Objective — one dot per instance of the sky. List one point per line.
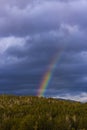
(32, 32)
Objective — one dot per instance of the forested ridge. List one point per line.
(38, 113)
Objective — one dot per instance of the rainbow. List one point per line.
(48, 75)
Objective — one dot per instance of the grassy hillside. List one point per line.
(34, 113)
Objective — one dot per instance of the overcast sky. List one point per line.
(31, 32)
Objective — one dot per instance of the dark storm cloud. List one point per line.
(31, 34)
(40, 16)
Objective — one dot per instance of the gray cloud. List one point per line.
(31, 34)
(40, 16)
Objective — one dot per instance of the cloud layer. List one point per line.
(81, 97)
(31, 33)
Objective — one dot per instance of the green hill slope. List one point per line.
(35, 113)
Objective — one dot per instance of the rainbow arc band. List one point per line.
(48, 75)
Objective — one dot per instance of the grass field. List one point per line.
(38, 113)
